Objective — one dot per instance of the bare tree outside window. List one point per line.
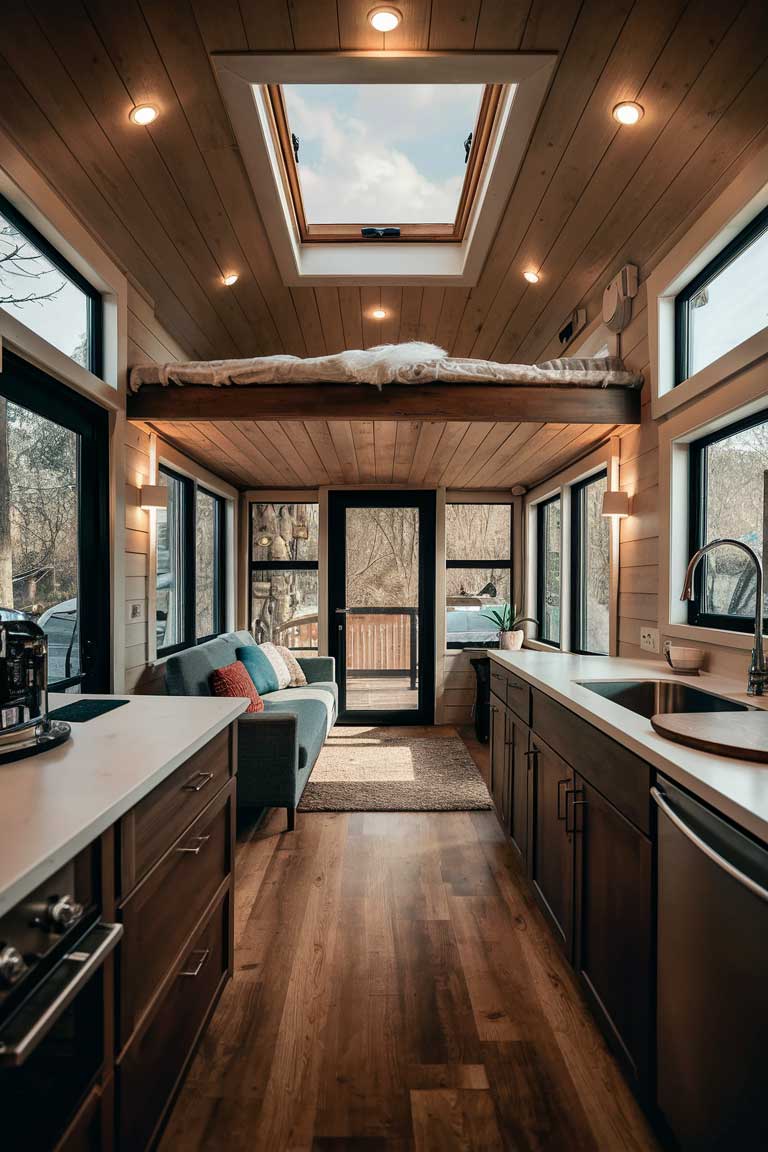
(284, 582)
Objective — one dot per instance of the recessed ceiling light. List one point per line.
(385, 19)
(379, 314)
(628, 112)
(531, 276)
(143, 114)
(230, 279)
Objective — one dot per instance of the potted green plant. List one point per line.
(506, 619)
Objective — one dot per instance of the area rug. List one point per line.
(373, 770)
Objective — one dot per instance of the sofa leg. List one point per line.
(291, 814)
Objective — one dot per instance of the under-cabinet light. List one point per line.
(385, 19)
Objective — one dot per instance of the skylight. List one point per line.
(400, 157)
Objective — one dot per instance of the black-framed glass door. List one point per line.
(381, 587)
(54, 521)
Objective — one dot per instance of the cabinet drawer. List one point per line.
(519, 698)
(150, 1069)
(84, 1133)
(498, 682)
(622, 777)
(161, 913)
(150, 828)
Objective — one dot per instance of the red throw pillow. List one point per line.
(233, 680)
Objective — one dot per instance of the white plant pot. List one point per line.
(512, 641)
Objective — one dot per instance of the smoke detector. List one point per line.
(617, 299)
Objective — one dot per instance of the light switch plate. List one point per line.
(649, 639)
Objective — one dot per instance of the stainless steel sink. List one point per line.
(650, 697)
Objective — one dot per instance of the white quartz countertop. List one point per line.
(53, 804)
(737, 788)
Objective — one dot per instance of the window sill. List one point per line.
(718, 637)
(541, 646)
(738, 360)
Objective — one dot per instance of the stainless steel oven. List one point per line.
(52, 951)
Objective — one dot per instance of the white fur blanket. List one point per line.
(413, 363)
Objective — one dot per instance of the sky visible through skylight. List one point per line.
(381, 153)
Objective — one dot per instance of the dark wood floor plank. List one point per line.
(397, 990)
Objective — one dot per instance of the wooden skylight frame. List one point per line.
(350, 233)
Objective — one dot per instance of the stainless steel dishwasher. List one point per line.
(712, 1013)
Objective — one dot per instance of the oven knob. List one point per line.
(63, 912)
(12, 966)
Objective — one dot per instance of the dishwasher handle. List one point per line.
(735, 873)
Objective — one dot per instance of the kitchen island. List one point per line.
(116, 917)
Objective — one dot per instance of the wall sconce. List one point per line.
(153, 496)
(616, 504)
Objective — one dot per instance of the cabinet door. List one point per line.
(500, 763)
(521, 771)
(613, 921)
(552, 847)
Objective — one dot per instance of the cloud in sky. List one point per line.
(381, 153)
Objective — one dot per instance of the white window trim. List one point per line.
(242, 78)
(712, 231)
(604, 458)
(741, 397)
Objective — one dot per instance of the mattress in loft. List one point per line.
(412, 363)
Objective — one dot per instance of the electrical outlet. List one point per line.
(649, 639)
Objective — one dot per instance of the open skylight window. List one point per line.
(380, 139)
(383, 162)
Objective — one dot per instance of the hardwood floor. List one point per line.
(396, 990)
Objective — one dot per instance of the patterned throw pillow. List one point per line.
(277, 662)
(298, 679)
(233, 680)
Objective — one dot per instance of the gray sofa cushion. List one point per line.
(187, 673)
(325, 693)
(311, 728)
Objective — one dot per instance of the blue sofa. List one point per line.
(277, 748)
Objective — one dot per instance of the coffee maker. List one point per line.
(25, 728)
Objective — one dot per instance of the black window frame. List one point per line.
(697, 515)
(540, 614)
(95, 303)
(27, 386)
(726, 256)
(577, 582)
(219, 562)
(460, 645)
(188, 573)
(280, 565)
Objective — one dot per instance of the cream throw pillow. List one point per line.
(298, 679)
(278, 663)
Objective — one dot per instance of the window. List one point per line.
(191, 564)
(44, 292)
(284, 580)
(590, 566)
(725, 304)
(54, 527)
(209, 564)
(728, 487)
(373, 162)
(478, 577)
(548, 573)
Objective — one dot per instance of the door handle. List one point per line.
(573, 792)
(203, 954)
(201, 841)
(562, 815)
(197, 782)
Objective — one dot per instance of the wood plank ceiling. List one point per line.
(173, 203)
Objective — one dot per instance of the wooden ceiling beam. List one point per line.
(452, 402)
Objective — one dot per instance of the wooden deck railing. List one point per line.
(379, 641)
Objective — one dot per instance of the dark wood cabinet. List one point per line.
(613, 922)
(521, 774)
(551, 848)
(500, 763)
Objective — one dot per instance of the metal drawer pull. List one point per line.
(562, 815)
(203, 953)
(201, 840)
(202, 779)
(572, 792)
(715, 857)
